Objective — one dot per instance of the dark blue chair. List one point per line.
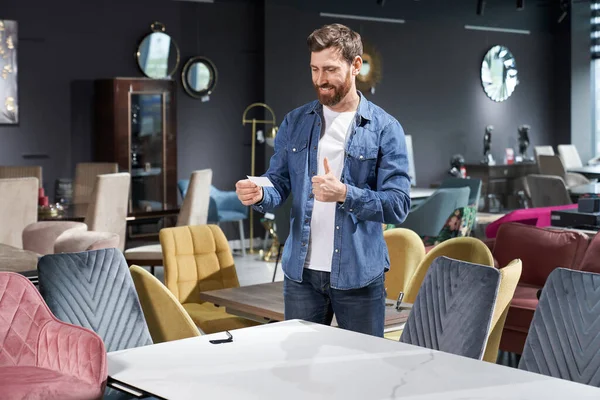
(224, 207)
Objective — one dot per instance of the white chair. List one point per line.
(543, 151)
(570, 156)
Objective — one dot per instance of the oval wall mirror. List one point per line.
(499, 73)
(158, 54)
(199, 77)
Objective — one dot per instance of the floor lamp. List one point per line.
(273, 132)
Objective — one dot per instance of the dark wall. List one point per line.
(63, 46)
(431, 72)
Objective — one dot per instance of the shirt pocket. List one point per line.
(298, 157)
(361, 163)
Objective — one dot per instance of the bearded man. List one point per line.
(344, 161)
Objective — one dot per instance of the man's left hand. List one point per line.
(328, 188)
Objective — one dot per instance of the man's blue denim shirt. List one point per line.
(376, 174)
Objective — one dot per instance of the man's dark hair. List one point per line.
(338, 36)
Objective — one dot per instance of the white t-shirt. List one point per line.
(322, 224)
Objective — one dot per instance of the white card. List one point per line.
(261, 181)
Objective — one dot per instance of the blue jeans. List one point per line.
(360, 310)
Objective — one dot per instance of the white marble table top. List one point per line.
(299, 360)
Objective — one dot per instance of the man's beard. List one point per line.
(336, 95)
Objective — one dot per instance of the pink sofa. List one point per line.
(40, 356)
(539, 217)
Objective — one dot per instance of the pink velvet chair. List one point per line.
(40, 356)
(539, 217)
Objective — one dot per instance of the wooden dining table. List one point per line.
(264, 303)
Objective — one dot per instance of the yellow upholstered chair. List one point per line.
(166, 318)
(406, 251)
(461, 248)
(197, 259)
(509, 277)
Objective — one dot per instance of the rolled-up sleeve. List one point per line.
(277, 173)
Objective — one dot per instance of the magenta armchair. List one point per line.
(539, 217)
(40, 356)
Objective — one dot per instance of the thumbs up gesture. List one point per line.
(328, 188)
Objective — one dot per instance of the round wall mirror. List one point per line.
(199, 77)
(158, 54)
(499, 73)
(370, 72)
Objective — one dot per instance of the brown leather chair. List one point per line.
(541, 251)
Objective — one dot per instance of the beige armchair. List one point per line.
(106, 213)
(85, 179)
(22, 171)
(18, 208)
(194, 211)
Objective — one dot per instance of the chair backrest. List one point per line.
(94, 289)
(428, 218)
(543, 151)
(540, 250)
(548, 190)
(551, 165)
(85, 179)
(509, 278)
(563, 340)
(166, 318)
(570, 156)
(282, 219)
(467, 249)
(196, 259)
(454, 309)
(107, 210)
(472, 183)
(25, 316)
(24, 171)
(194, 209)
(18, 208)
(406, 251)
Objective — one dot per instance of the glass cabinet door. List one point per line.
(147, 148)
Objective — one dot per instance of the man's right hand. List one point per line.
(248, 192)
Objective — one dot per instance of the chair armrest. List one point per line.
(74, 351)
(40, 236)
(575, 179)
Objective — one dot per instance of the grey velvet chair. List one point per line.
(563, 340)
(454, 308)
(428, 218)
(94, 289)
